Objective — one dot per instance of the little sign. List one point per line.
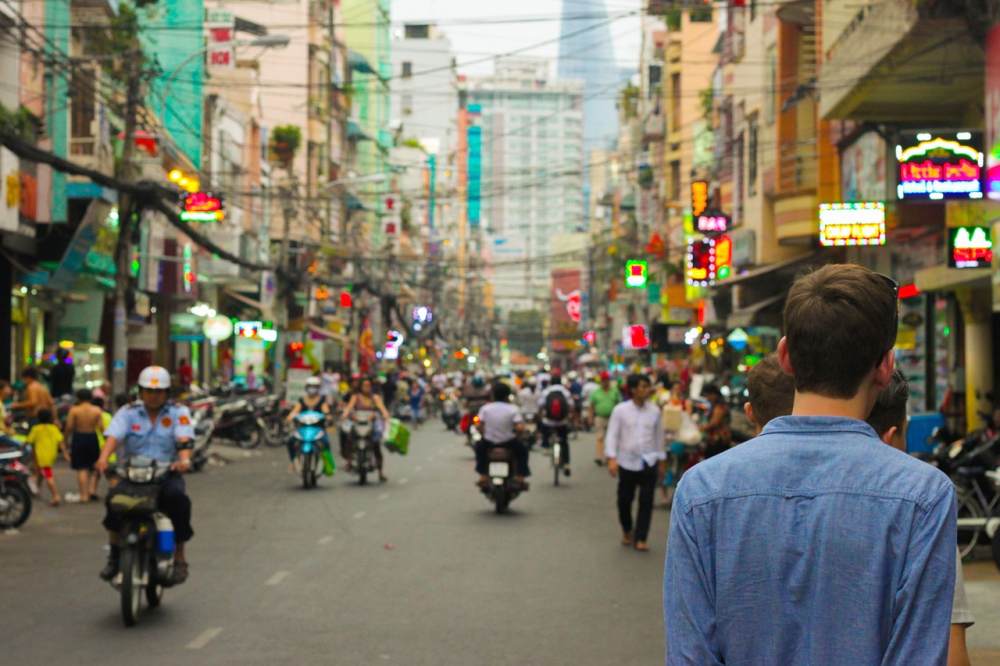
(854, 223)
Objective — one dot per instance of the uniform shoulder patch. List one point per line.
(183, 420)
(166, 422)
(136, 427)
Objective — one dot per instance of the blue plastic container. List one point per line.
(165, 543)
(918, 433)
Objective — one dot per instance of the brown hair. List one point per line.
(890, 407)
(840, 321)
(772, 392)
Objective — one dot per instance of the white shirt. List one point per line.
(498, 420)
(526, 397)
(635, 436)
(589, 388)
(545, 394)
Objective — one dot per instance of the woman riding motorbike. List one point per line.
(311, 401)
(367, 400)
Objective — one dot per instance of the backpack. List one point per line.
(556, 406)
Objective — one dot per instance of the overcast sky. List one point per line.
(472, 42)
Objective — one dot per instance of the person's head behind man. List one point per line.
(771, 390)
(639, 387)
(500, 392)
(888, 416)
(840, 328)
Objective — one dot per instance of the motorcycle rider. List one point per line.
(311, 401)
(367, 400)
(157, 428)
(500, 422)
(476, 394)
(551, 424)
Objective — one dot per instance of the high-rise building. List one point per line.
(586, 53)
(530, 129)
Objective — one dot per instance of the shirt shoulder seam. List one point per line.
(923, 503)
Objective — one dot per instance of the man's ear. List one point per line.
(884, 370)
(888, 435)
(748, 411)
(784, 358)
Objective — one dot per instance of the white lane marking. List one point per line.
(359, 515)
(384, 496)
(403, 481)
(325, 540)
(278, 577)
(204, 638)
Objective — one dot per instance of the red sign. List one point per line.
(565, 310)
(202, 202)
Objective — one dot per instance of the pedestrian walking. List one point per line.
(61, 374)
(251, 378)
(185, 373)
(36, 396)
(47, 442)
(83, 423)
(838, 549)
(602, 401)
(634, 452)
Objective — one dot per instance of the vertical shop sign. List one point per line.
(221, 26)
(474, 139)
(992, 108)
(565, 311)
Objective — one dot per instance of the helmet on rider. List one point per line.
(154, 377)
(478, 380)
(313, 385)
(572, 375)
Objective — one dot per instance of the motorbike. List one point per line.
(362, 425)
(146, 559)
(450, 413)
(236, 420)
(203, 427)
(15, 494)
(309, 436)
(503, 487)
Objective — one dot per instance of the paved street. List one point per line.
(417, 571)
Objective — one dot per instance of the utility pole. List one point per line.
(126, 211)
(281, 297)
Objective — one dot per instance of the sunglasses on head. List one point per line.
(894, 286)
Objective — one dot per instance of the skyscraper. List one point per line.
(586, 53)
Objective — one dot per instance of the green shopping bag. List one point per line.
(329, 464)
(397, 437)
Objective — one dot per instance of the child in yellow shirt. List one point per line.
(47, 441)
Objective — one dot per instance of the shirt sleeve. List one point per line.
(924, 596)
(184, 428)
(611, 436)
(960, 611)
(118, 428)
(688, 609)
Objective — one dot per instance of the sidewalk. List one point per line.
(982, 585)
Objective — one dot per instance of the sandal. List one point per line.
(55, 501)
(627, 539)
(642, 546)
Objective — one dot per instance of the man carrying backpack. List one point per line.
(555, 404)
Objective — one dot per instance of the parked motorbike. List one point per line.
(203, 427)
(310, 436)
(15, 494)
(503, 487)
(363, 441)
(450, 413)
(146, 560)
(236, 421)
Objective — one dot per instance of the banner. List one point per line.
(566, 309)
(991, 141)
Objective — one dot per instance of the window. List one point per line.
(675, 102)
(701, 14)
(675, 180)
(82, 105)
(752, 156)
(406, 104)
(772, 85)
(407, 69)
(655, 73)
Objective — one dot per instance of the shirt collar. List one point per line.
(817, 424)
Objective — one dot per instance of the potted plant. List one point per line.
(285, 140)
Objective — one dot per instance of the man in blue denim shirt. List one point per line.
(815, 543)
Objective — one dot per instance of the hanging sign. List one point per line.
(708, 260)
(202, 207)
(940, 165)
(217, 328)
(636, 273)
(699, 197)
(970, 247)
(713, 222)
(852, 223)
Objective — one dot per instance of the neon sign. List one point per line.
(970, 247)
(708, 260)
(699, 197)
(635, 336)
(636, 273)
(713, 222)
(202, 207)
(942, 165)
(857, 223)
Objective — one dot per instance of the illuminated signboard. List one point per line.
(635, 336)
(713, 222)
(708, 260)
(940, 165)
(202, 207)
(857, 223)
(636, 273)
(970, 247)
(699, 197)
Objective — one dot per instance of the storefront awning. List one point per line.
(943, 278)
(246, 300)
(765, 270)
(746, 317)
(324, 333)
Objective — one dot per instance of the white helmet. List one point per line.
(573, 374)
(154, 377)
(313, 385)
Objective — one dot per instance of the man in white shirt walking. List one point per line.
(633, 447)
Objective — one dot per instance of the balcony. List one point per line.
(892, 63)
(92, 153)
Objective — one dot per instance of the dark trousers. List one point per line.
(628, 481)
(562, 432)
(173, 501)
(516, 446)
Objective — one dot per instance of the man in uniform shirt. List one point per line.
(634, 450)
(153, 428)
